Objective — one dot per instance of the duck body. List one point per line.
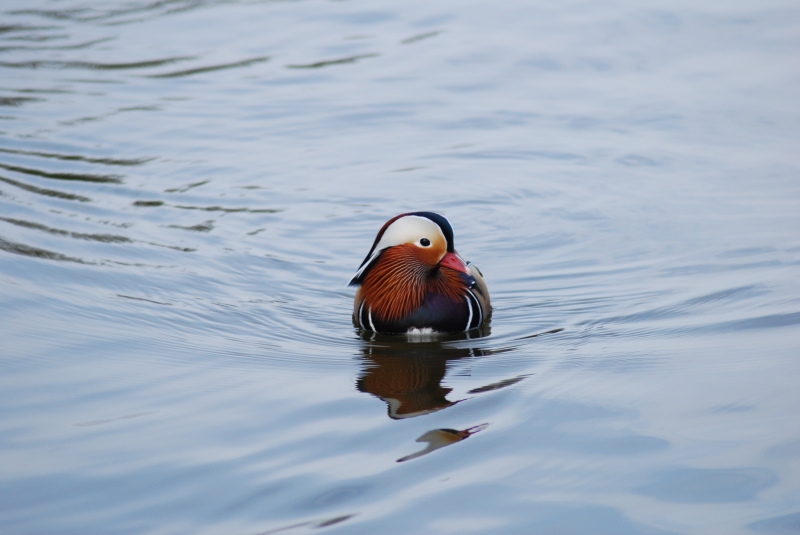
(414, 280)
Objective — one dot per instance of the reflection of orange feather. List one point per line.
(414, 383)
(397, 284)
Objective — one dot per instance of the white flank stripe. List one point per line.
(478, 305)
(369, 316)
(469, 306)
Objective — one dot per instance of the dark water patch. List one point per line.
(313, 524)
(46, 192)
(152, 9)
(326, 63)
(420, 37)
(143, 299)
(232, 210)
(27, 250)
(155, 8)
(174, 247)
(105, 238)
(208, 226)
(140, 108)
(551, 331)
(211, 68)
(498, 385)
(44, 91)
(102, 179)
(66, 14)
(148, 203)
(333, 521)
(17, 101)
(11, 28)
(77, 158)
(778, 525)
(187, 187)
(93, 66)
(708, 485)
(38, 38)
(80, 120)
(76, 46)
(405, 169)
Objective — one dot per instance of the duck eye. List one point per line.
(424, 242)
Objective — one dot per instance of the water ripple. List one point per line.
(46, 192)
(81, 177)
(211, 68)
(36, 64)
(79, 158)
(326, 63)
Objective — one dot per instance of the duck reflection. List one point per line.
(439, 438)
(407, 375)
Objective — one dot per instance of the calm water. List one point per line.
(186, 186)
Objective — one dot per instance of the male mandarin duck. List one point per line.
(413, 280)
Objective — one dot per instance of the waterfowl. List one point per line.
(413, 280)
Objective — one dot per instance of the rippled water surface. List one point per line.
(186, 186)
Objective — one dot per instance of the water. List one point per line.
(187, 186)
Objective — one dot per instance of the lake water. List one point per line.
(186, 186)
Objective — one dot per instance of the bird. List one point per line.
(413, 281)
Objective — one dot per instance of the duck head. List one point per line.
(413, 278)
(423, 239)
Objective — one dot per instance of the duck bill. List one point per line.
(453, 261)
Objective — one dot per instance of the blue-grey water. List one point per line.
(187, 185)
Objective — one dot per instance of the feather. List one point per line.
(396, 285)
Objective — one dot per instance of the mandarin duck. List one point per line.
(414, 281)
